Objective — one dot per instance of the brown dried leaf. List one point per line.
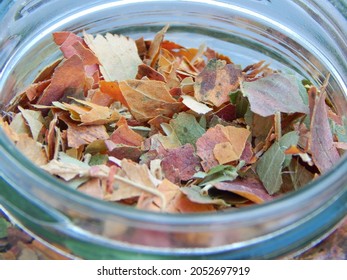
(154, 49)
(71, 44)
(68, 78)
(215, 83)
(81, 135)
(148, 99)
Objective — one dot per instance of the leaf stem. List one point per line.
(278, 128)
(144, 188)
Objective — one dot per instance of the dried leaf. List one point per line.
(274, 93)
(215, 83)
(169, 190)
(89, 113)
(232, 150)
(35, 122)
(71, 44)
(154, 49)
(219, 173)
(148, 99)
(324, 153)
(179, 164)
(82, 135)
(186, 128)
(125, 135)
(194, 194)
(31, 149)
(112, 89)
(147, 71)
(93, 187)
(269, 168)
(121, 151)
(194, 105)
(18, 125)
(221, 144)
(300, 176)
(136, 173)
(117, 54)
(68, 78)
(249, 188)
(184, 205)
(66, 171)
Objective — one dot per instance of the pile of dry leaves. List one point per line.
(153, 124)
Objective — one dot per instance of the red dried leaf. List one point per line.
(125, 135)
(123, 152)
(150, 73)
(324, 152)
(249, 188)
(179, 164)
(69, 78)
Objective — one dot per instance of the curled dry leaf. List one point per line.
(249, 188)
(324, 153)
(89, 113)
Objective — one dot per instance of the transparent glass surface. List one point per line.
(307, 38)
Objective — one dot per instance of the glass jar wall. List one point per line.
(312, 46)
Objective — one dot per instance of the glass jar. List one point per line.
(306, 37)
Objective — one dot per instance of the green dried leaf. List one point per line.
(187, 128)
(241, 103)
(219, 173)
(269, 168)
(34, 120)
(98, 159)
(194, 194)
(4, 225)
(340, 130)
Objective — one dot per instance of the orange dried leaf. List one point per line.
(69, 77)
(154, 49)
(221, 144)
(125, 135)
(113, 90)
(148, 99)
